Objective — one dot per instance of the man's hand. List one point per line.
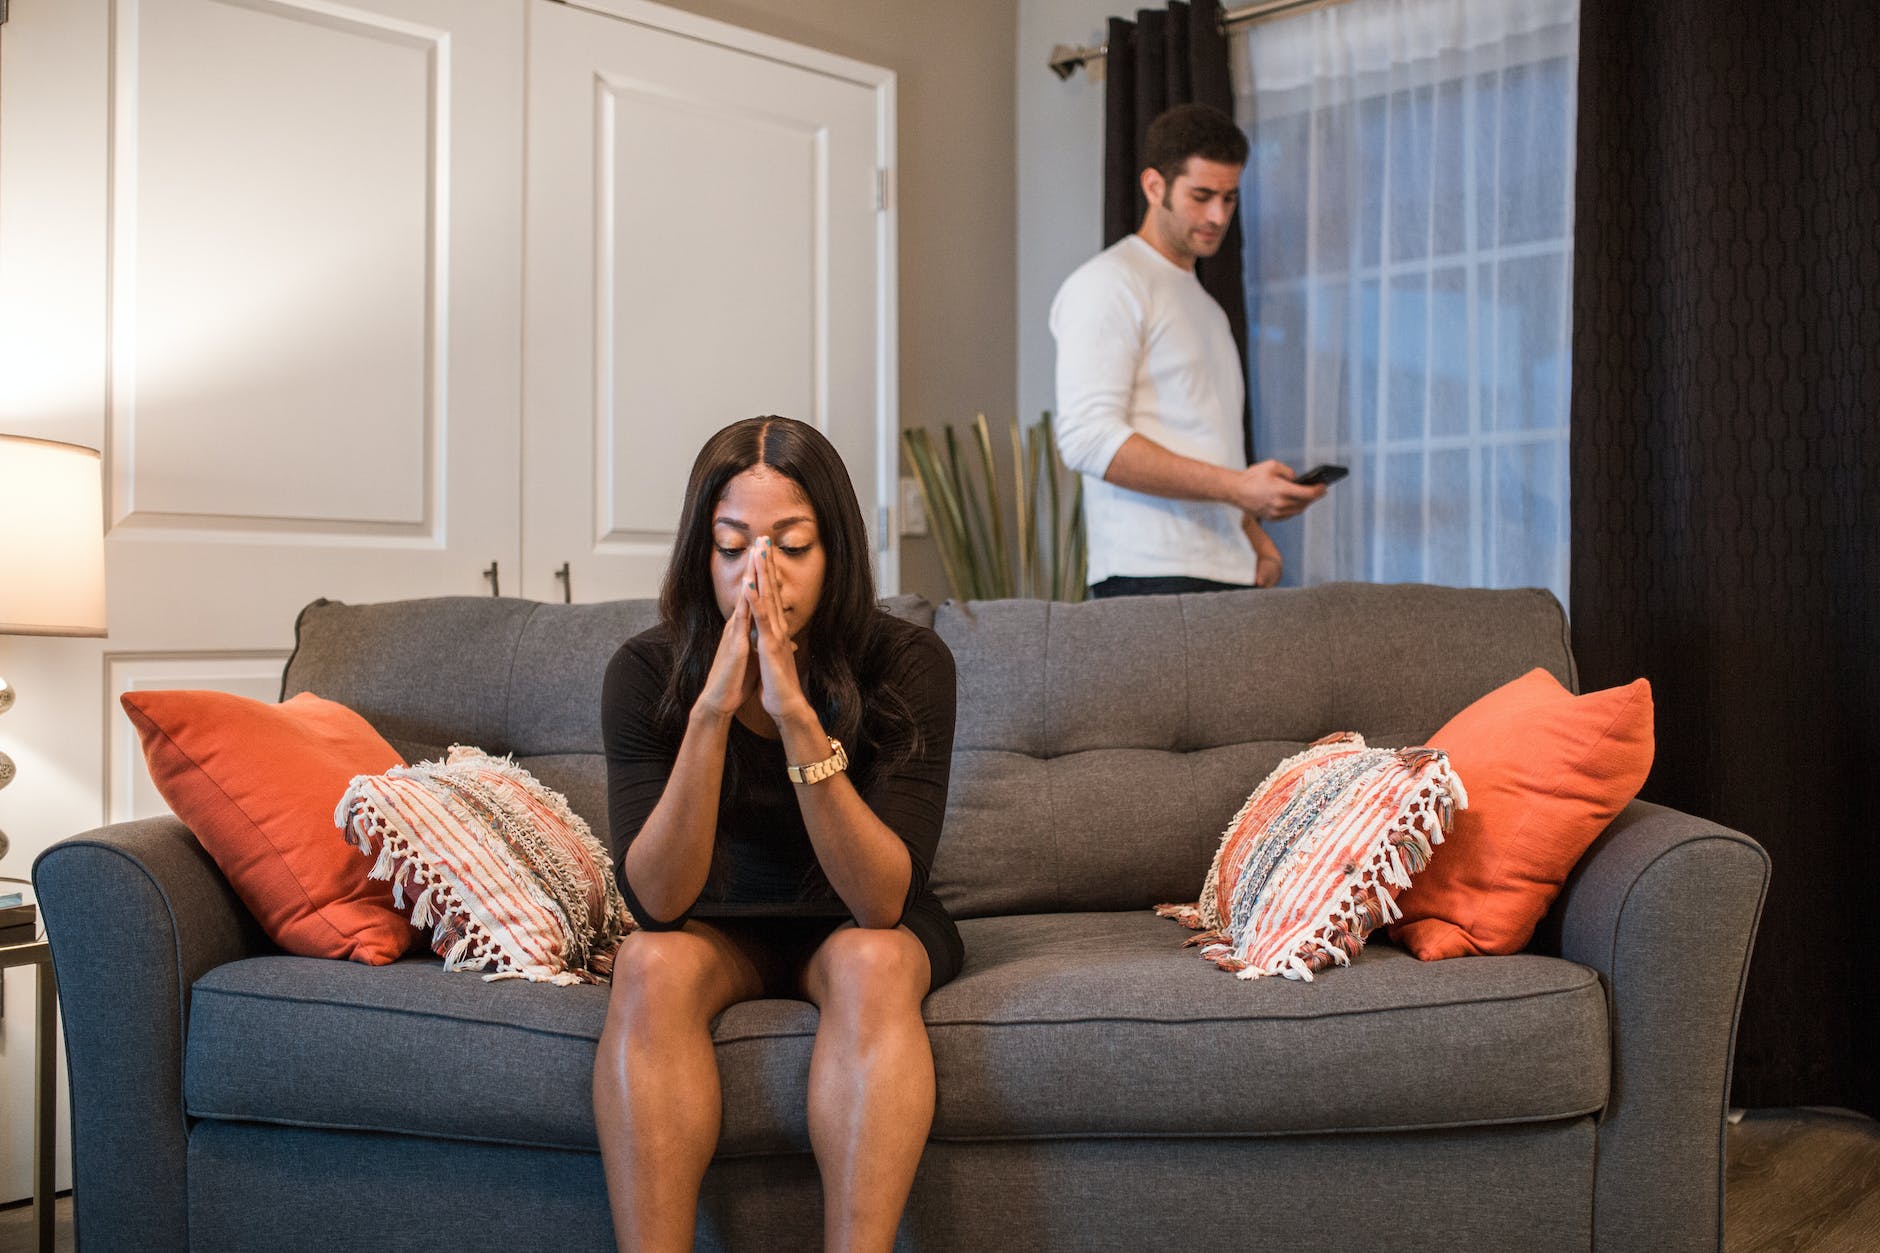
(1267, 563)
(1266, 490)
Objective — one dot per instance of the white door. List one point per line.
(708, 239)
(314, 311)
(267, 254)
(315, 280)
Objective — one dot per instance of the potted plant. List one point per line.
(1046, 558)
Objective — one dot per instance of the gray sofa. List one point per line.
(1100, 1087)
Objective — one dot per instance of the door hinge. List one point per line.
(881, 189)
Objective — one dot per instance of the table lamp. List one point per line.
(51, 547)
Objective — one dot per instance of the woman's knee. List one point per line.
(662, 976)
(875, 967)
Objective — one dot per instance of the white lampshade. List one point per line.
(51, 538)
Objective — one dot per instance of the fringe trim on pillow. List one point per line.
(1189, 916)
(435, 903)
(588, 949)
(1366, 900)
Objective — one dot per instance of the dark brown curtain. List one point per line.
(1162, 59)
(1726, 471)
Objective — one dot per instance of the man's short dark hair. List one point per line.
(1192, 130)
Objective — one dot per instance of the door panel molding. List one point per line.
(713, 292)
(712, 31)
(796, 153)
(312, 295)
(129, 794)
(186, 372)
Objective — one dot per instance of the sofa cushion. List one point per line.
(508, 879)
(1547, 772)
(1306, 871)
(256, 783)
(426, 673)
(1059, 1025)
(507, 676)
(1103, 747)
(1093, 1024)
(418, 1049)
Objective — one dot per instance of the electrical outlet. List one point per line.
(913, 507)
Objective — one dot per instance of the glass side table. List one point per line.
(45, 1072)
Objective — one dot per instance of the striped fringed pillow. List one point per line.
(507, 876)
(1305, 870)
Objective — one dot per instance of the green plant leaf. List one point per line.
(1051, 479)
(972, 522)
(999, 567)
(942, 511)
(1077, 567)
(967, 513)
(1021, 481)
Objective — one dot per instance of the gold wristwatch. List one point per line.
(816, 771)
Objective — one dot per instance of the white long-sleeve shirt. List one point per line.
(1143, 349)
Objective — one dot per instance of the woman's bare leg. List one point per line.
(871, 1086)
(656, 1094)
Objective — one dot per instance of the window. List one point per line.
(1408, 230)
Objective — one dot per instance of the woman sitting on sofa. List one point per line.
(777, 760)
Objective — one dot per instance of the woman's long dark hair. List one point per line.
(843, 642)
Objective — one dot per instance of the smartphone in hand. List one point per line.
(1318, 474)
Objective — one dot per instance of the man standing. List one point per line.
(1149, 386)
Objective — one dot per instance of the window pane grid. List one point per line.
(1410, 302)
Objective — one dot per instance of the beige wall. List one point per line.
(957, 207)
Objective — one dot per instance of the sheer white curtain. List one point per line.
(1408, 217)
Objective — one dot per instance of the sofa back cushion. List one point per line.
(508, 676)
(1103, 747)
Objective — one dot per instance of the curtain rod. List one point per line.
(1065, 58)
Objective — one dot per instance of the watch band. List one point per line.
(816, 771)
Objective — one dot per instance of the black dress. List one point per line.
(767, 868)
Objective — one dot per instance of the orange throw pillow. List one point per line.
(258, 784)
(1546, 772)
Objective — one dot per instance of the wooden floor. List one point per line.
(1799, 1179)
(1803, 1179)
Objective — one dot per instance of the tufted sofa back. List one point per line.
(1103, 747)
(1100, 749)
(508, 676)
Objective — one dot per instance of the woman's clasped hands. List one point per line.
(756, 655)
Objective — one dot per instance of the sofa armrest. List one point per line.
(1665, 907)
(135, 913)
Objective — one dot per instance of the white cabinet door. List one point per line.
(707, 240)
(315, 278)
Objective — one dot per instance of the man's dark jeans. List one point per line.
(1159, 585)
